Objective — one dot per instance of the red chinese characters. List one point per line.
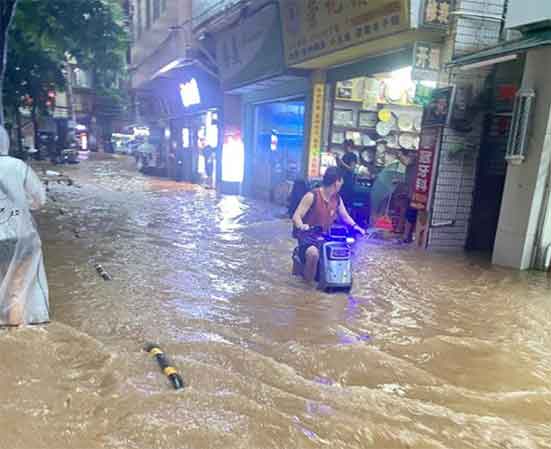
(425, 166)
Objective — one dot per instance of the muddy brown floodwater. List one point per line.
(429, 351)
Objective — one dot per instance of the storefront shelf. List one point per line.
(354, 128)
(351, 100)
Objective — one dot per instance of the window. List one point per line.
(139, 28)
(156, 10)
(147, 14)
(279, 143)
(163, 6)
(520, 126)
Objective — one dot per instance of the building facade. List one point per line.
(523, 228)
(335, 57)
(176, 90)
(296, 80)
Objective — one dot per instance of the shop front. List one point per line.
(375, 70)
(373, 132)
(269, 134)
(192, 97)
(277, 143)
(520, 221)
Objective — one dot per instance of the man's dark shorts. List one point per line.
(305, 241)
(411, 215)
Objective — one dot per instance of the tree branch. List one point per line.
(7, 10)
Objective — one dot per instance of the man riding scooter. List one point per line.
(320, 208)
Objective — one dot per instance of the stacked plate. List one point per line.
(384, 128)
(405, 123)
(417, 124)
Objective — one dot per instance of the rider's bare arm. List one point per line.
(302, 209)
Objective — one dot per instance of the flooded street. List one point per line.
(429, 351)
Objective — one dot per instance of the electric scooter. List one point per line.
(335, 263)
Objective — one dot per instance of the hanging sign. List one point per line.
(314, 149)
(426, 160)
(426, 61)
(436, 13)
(189, 93)
(438, 111)
(313, 28)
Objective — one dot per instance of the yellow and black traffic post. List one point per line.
(168, 370)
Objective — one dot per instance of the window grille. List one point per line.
(520, 126)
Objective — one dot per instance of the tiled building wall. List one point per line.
(471, 30)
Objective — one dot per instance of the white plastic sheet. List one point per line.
(23, 285)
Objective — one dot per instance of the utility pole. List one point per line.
(70, 104)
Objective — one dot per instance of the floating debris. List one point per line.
(104, 274)
(168, 370)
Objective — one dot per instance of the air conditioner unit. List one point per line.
(528, 14)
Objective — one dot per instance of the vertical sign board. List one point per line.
(436, 13)
(314, 147)
(426, 61)
(425, 178)
(436, 116)
(426, 157)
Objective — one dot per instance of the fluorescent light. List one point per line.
(189, 93)
(402, 75)
(233, 160)
(169, 66)
(489, 62)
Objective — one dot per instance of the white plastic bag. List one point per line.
(23, 285)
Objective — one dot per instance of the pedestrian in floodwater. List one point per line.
(23, 285)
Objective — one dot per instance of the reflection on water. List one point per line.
(429, 351)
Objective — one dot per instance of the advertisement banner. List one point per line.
(439, 110)
(313, 28)
(252, 50)
(204, 10)
(426, 162)
(314, 147)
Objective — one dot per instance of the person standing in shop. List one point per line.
(409, 159)
(209, 155)
(347, 165)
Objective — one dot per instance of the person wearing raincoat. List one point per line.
(23, 285)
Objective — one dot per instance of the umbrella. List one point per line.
(384, 186)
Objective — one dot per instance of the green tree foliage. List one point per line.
(46, 34)
(7, 8)
(90, 31)
(32, 72)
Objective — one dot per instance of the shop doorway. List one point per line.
(489, 186)
(278, 148)
(492, 167)
(195, 149)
